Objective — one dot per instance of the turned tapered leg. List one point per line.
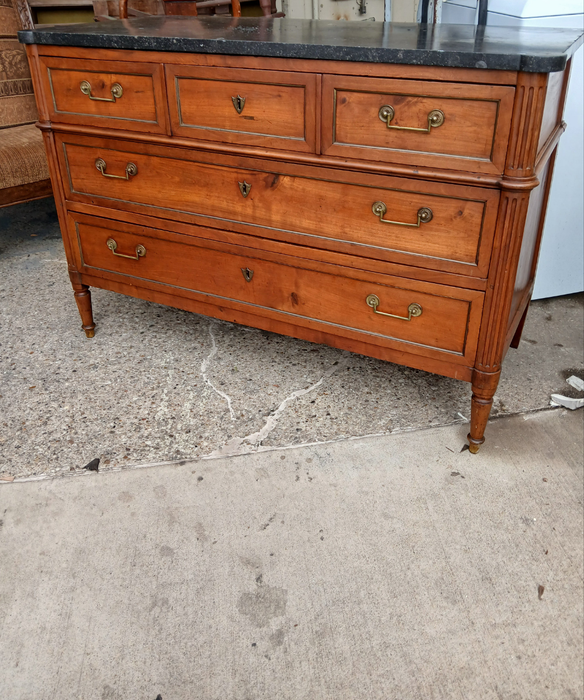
(83, 299)
(483, 390)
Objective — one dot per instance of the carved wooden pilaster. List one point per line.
(525, 124)
(24, 14)
(518, 181)
(512, 213)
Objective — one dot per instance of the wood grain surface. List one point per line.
(472, 136)
(456, 239)
(279, 107)
(284, 187)
(142, 106)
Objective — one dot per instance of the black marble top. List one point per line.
(448, 45)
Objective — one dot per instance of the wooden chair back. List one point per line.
(192, 8)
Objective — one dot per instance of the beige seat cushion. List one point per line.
(22, 156)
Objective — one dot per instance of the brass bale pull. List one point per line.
(435, 119)
(414, 310)
(424, 215)
(238, 103)
(140, 250)
(131, 170)
(116, 91)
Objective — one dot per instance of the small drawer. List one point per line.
(105, 93)
(240, 106)
(432, 225)
(452, 125)
(422, 318)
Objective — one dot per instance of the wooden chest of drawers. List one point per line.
(390, 209)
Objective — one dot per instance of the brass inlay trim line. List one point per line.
(273, 228)
(289, 313)
(186, 125)
(98, 116)
(496, 102)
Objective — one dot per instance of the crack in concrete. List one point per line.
(237, 446)
(205, 366)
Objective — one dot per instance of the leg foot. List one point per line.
(83, 299)
(474, 447)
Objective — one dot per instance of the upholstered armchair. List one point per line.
(24, 173)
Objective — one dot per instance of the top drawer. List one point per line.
(115, 94)
(272, 109)
(452, 125)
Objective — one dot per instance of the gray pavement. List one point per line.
(367, 569)
(158, 384)
(316, 532)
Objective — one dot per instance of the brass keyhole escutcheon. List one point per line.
(244, 188)
(238, 103)
(247, 274)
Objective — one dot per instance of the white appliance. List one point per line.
(561, 262)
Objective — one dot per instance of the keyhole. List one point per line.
(238, 103)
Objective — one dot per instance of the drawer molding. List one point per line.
(117, 91)
(251, 107)
(284, 274)
(239, 111)
(456, 223)
(79, 94)
(470, 131)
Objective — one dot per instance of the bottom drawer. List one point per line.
(419, 317)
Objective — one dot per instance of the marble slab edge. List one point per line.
(445, 59)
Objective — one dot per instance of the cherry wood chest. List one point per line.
(378, 189)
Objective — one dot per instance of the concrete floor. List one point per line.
(158, 384)
(259, 568)
(368, 569)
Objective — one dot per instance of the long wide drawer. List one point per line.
(432, 225)
(452, 125)
(423, 318)
(254, 107)
(116, 94)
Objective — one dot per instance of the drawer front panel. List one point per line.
(447, 324)
(106, 93)
(445, 227)
(250, 107)
(422, 123)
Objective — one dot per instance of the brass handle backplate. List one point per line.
(424, 215)
(116, 91)
(435, 119)
(238, 103)
(131, 170)
(414, 309)
(113, 246)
